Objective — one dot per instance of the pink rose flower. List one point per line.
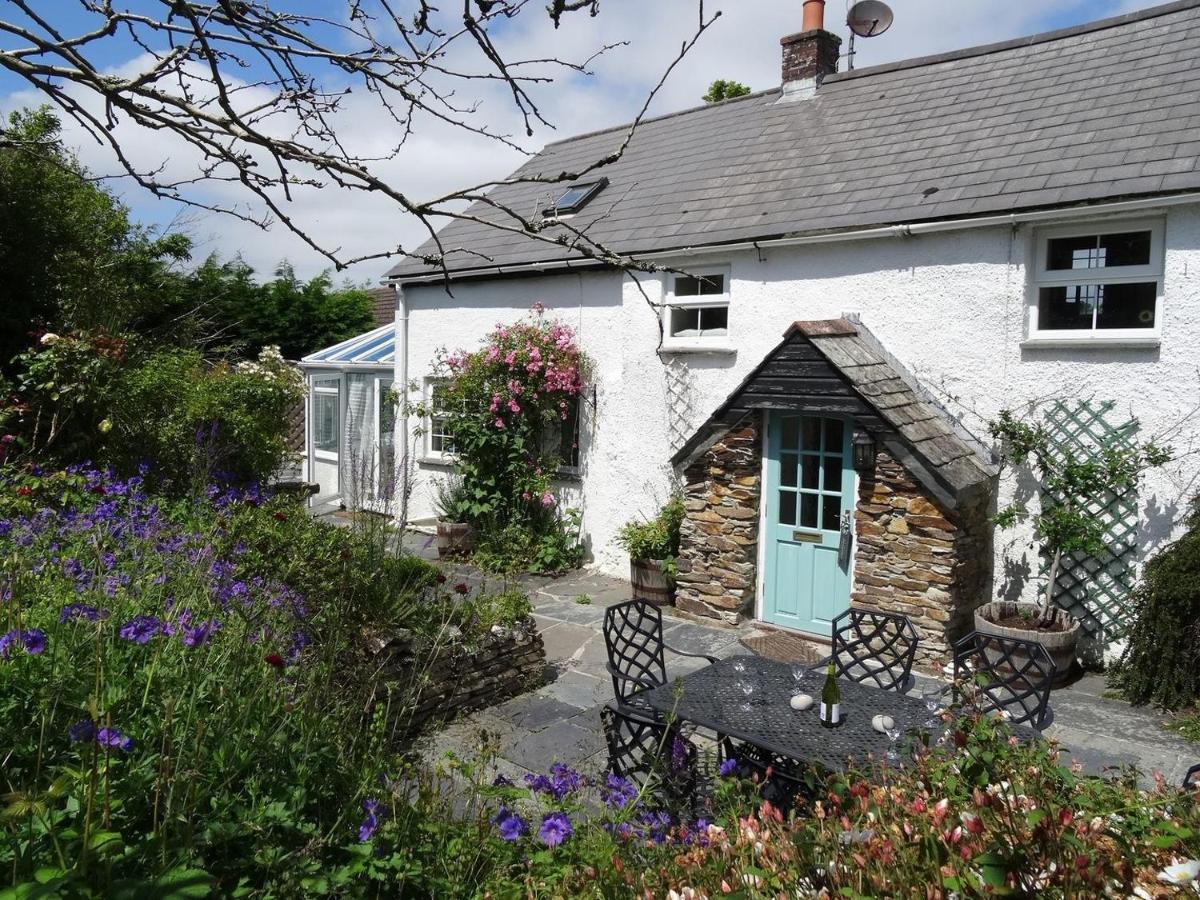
(547, 499)
(514, 406)
(499, 422)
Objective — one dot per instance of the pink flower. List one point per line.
(496, 401)
(499, 422)
(493, 354)
(547, 500)
(514, 406)
(538, 307)
(510, 357)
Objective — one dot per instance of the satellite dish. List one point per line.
(869, 18)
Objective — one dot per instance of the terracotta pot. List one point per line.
(1061, 645)
(649, 582)
(454, 539)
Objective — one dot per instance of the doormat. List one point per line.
(783, 647)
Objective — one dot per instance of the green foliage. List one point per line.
(656, 539)
(1072, 486)
(549, 546)
(70, 258)
(451, 501)
(299, 317)
(90, 396)
(724, 90)
(1187, 725)
(1161, 664)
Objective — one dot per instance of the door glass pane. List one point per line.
(812, 433)
(787, 469)
(791, 432)
(808, 510)
(831, 512)
(833, 474)
(387, 439)
(325, 421)
(833, 435)
(810, 467)
(787, 508)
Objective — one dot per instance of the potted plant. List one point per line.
(455, 535)
(653, 547)
(1074, 489)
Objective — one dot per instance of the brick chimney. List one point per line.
(810, 55)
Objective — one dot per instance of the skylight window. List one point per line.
(575, 198)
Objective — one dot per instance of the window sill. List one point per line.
(443, 462)
(1092, 343)
(698, 348)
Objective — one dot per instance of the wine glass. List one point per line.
(932, 695)
(893, 735)
(799, 674)
(747, 691)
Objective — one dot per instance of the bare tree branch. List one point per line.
(256, 90)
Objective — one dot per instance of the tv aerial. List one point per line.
(865, 19)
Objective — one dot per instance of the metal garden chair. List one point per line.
(1192, 778)
(874, 647)
(643, 748)
(1010, 674)
(633, 637)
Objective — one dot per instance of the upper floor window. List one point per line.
(696, 311)
(1098, 283)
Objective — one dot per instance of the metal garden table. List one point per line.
(713, 699)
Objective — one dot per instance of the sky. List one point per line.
(742, 45)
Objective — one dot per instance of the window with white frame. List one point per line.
(439, 442)
(561, 437)
(1098, 282)
(325, 413)
(696, 311)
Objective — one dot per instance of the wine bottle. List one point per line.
(831, 698)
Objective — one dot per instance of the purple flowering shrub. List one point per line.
(181, 675)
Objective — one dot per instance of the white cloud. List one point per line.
(742, 45)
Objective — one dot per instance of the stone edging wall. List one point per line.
(440, 682)
(718, 552)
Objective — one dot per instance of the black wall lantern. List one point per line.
(864, 451)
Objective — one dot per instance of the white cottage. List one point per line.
(865, 266)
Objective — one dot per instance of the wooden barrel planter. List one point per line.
(454, 539)
(650, 583)
(1060, 644)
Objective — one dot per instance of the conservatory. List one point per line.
(349, 419)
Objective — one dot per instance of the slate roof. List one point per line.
(1106, 110)
(837, 367)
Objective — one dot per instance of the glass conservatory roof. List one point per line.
(375, 348)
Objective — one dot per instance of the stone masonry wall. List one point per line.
(719, 536)
(914, 557)
(430, 683)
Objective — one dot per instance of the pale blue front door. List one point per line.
(809, 493)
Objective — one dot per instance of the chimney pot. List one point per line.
(814, 15)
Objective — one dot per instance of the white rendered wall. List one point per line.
(950, 306)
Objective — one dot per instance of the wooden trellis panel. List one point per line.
(1095, 589)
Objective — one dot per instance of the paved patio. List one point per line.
(561, 720)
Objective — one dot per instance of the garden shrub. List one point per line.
(656, 539)
(506, 405)
(1161, 663)
(94, 396)
(183, 690)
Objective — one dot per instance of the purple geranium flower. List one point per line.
(728, 767)
(510, 825)
(618, 792)
(81, 731)
(141, 629)
(374, 811)
(198, 635)
(111, 737)
(33, 640)
(82, 611)
(556, 828)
